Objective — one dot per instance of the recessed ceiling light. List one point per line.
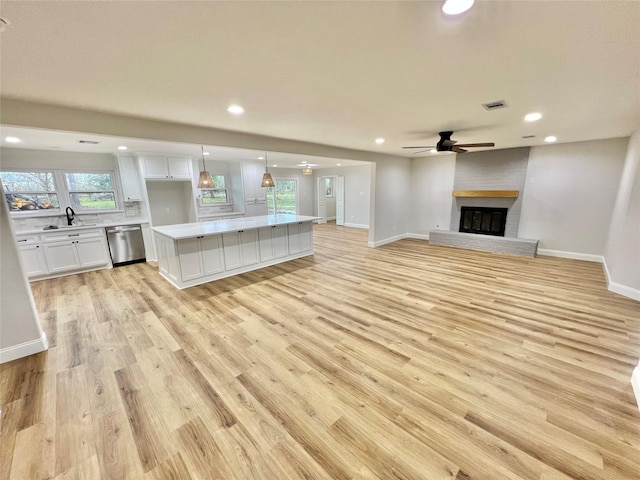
(455, 7)
(122, 147)
(205, 153)
(12, 140)
(338, 164)
(274, 165)
(379, 141)
(550, 139)
(532, 117)
(260, 158)
(235, 109)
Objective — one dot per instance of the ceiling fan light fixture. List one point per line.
(307, 170)
(267, 179)
(204, 179)
(456, 7)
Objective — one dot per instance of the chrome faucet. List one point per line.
(70, 216)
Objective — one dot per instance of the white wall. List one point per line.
(568, 206)
(391, 200)
(431, 185)
(20, 330)
(622, 253)
(357, 193)
(170, 203)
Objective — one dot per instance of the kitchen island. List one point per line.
(194, 253)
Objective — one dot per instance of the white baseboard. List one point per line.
(24, 349)
(619, 288)
(418, 236)
(587, 257)
(379, 243)
(331, 218)
(635, 383)
(356, 225)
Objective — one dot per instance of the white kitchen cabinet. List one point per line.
(129, 178)
(273, 242)
(200, 256)
(166, 168)
(76, 251)
(240, 248)
(255, 196)
(33, 260)
(300, 237)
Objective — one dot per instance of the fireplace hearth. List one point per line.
(483, 220)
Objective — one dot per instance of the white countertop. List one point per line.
(65, 228)
(190, 230)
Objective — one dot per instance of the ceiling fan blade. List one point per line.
(423, 146)
(421, 151)
(458, 150)
(489, 144)
(449, 143)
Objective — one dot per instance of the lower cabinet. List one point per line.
(240, 248)
(78, 251)
(273, 242)
(50, 254)
(33, 260)
(300, 237)
(200, 256)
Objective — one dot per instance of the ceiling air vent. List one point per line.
(528, 136)
(495, 105)
(88, 142)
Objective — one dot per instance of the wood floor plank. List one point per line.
(406, 361)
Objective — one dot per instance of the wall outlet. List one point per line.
(168, 210)
(532, 180)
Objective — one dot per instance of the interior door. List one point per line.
(339, 188)
(321, 200)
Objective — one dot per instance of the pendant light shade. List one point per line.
(205, 180)
(267, 179)
(307, 170)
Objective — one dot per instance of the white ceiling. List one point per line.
(336, 73)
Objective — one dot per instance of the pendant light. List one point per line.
(205, 180)
(267, 179)
(307, 170)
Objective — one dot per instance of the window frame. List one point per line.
(64, 194)
(226, 189)
(80, 209)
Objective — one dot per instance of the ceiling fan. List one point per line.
(447, 145)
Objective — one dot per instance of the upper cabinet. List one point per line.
(251, 180)
(166, 168)
(129, 177)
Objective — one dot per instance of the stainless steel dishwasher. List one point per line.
(125, 244)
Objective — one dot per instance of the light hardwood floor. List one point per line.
(407, 361)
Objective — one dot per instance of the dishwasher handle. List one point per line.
(132, 228)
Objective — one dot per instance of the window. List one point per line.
(218, 195)
(282, 198)
(29, 191)
(328, 185)
(91, 191)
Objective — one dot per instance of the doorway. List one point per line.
(330, 199)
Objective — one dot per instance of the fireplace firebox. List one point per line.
(483, 220)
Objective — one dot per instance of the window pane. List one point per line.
(88, 181)
(93, 200)
(27, 182)
(34, 201)
(215, 195)
(218, 181)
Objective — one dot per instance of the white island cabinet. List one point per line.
(193, 253)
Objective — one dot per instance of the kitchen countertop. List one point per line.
(190, 230)
(219, 214)
(65, 228)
